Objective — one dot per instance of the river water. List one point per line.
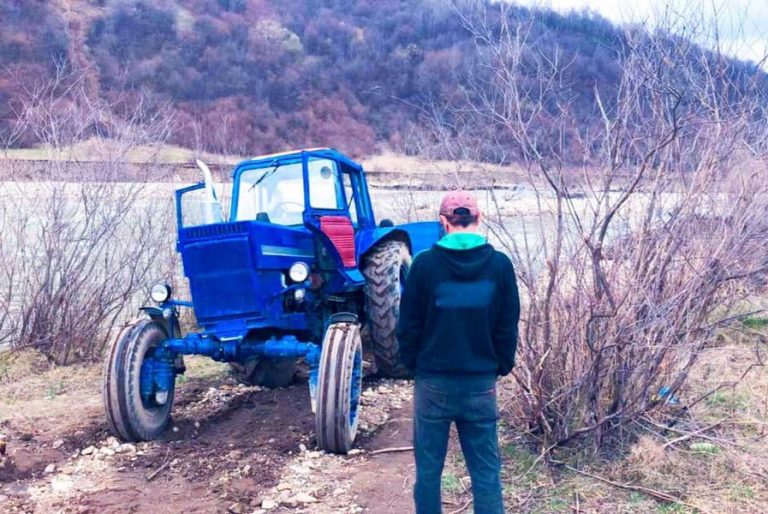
(527, 216)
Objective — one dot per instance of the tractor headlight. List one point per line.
(160, 292)
(299, 272)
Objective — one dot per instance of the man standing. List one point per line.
(458, 332)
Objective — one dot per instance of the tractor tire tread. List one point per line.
(110, 395)
(125, 417)
(382, 270)
(332, 418)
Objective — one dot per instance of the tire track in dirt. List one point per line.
(210, 461)
(384, 482)
(229, 448)
(227, 443)
(312, 481)
(35, 443)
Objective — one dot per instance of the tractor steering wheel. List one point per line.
(282, 207)
(282, 215)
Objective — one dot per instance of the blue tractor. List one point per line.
(299, 269)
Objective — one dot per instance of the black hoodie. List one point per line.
(459, 313)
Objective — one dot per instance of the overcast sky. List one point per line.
(743, 24)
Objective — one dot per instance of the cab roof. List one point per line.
(323, 153)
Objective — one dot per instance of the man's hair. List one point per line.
(461, 218)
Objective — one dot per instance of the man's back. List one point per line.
(459, 312)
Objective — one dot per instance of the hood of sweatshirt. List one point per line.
(465, 254)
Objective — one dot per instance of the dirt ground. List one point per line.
(251, 450)
(229, 447)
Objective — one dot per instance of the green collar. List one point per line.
(462, 241)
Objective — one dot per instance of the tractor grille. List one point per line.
(214, 231)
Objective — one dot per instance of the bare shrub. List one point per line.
(78, 252)
(639, 231)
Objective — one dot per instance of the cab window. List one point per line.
(324, 184)
(349, 194)
(273, 194)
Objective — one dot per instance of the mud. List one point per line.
(227, 450)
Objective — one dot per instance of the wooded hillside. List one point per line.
(250, 76)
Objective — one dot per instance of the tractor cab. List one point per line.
(282, 189)
(290, 239)
(320, 190)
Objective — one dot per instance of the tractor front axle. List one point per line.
(159, 371)
(239, 350)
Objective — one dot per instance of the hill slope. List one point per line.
(248, 76)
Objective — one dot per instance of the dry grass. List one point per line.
(725, 470)
(398, 162)
(18, 365)
(32, 389)
(203, 367)
(138, 154)
(385, 162)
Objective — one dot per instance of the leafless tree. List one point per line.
(639, 233)
(81, 242)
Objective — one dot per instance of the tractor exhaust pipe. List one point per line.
(212, 211)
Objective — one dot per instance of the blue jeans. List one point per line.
(471, 404)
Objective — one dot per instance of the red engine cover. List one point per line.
(340, 231)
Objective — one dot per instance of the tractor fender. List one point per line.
(170, 324)
(367, 239)
(172, 328)
(418, 236)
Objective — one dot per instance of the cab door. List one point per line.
(329, 213)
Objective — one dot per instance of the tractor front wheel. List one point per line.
(339, 385)
(385, 270)
(138, 408)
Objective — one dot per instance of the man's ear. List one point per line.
(445, 224)
(479, 218)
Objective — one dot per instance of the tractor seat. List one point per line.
(262, 216)
(340, 231)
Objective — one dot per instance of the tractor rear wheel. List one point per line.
(385, 270)
(131, 415)
(339, 383)
(271, 373)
